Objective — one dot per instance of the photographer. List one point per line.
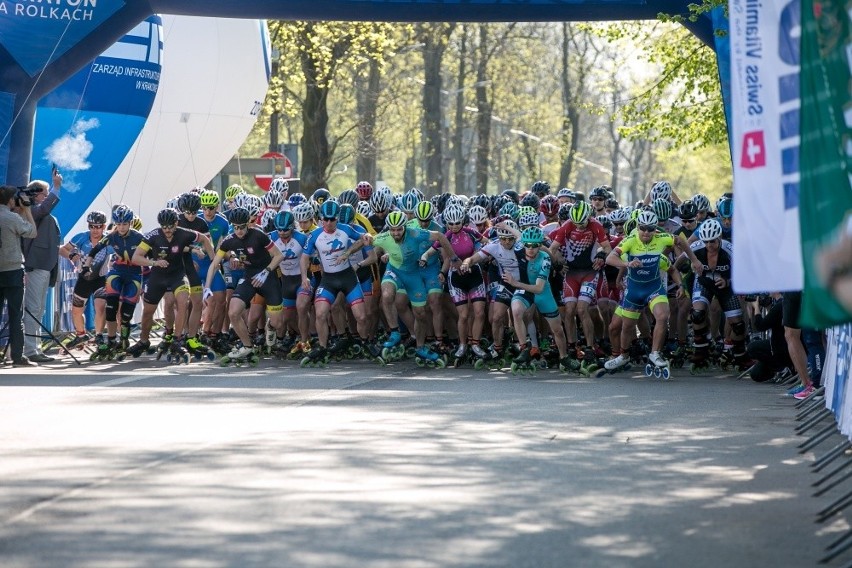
(16, 221)
(41, 263)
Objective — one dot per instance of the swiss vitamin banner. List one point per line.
(765, 144)
(826, 204)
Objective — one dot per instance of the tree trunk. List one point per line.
(315, 148)
(483, 113)
(434, 38)
(367, 93)
(458, 135)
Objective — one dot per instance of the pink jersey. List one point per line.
(464, 243)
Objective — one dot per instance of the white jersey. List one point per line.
(507, 260)
(330, 247)
(291, 251)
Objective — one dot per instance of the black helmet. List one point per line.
(564, 212)
(530, 200)
(240, 216)
(511, 194)
(482, 200)
(348, 197)
(611, 203)
(688, 209)
(442, 202)
(497, 203)
(599, 193)
(167, 217)
(540, 188)
(320, 196)
(189, 202)
(96, 218)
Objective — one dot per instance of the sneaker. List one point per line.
(805, 393)
(41, 358)
(795, 390)
(23, 362)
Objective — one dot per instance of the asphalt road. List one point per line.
(146, 464)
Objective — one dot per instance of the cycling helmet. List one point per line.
(661, 190)
(503, 232)
(321, 195)
(709, 230)
(254, 204)
(425, 211)
(364, 190)
(267, 219)
(604, 220)
(197, 190)
(532, 235)
(296, 199)
(232, 191)
(136, 224)
(482, 200)
(564, 212)
(284, 221)
(540, 188)
(701, 202)
(599, 193)
(381, 200)
(619, 216)
(611, 203)
(395, 219)
(239, 216)
(241, 200)
(280, 185)
(329, 210)
(418, 193)
(688, 210)
(663, 209)
(348, 197)
(408, 202)
(512, 194)
(478, 215)
(189, 202)
(462, 200)
(96, 218)
(454, 214)
(122, 214)
(580, 213)
(510, 210)
(303, 212)
(530, 200)
(443, 201)
(629, 225)
(579, 196)
(549, 205)
(528, 220)
(209, 199)
(273, 199)
(167, 217)
(725, 208)
(347, 214)
(364, 208)
(647, 217)
(497, 203)
(565, 192)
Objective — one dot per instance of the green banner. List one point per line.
(825, 204)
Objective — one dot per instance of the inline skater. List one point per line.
(196, 262)
(291, 244)
(260, 259)
(215, 312)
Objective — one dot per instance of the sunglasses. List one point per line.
(190, 212)
(648, 228)
(96, 226)
(687, 220)
(168, 227)
(618, 224)
(240, 227)
(596, 199)
(285, 230)
(507, 238)
(329, 219)
(714, 241)
(532, 245)
(210, 207)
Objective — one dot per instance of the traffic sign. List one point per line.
(281, 165)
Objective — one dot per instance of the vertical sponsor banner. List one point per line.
(826, 163)
(765, 144)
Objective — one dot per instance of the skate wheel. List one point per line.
(185, 359)
(93, 357)
(648, 370)
(210, 355)
(386, 353)
(514, 368)
(305, 362)
(439, 363)
(224, 362)
(479, 364)
(666, 373)
(657, 372)
(409, 352)
(420, 362)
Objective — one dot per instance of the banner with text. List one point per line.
(765, 144)
(826, 206)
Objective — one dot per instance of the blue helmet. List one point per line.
(725, 207)
(296, 199)
(329, 210)
(122, 214)
(347, 214)
(284, 221)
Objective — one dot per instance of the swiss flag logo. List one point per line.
(754, 150)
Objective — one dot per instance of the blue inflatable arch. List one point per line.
(44, 42)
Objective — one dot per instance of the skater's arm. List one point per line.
(213, 269)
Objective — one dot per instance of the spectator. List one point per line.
(16, 221)
(41, 263)
(770, 355)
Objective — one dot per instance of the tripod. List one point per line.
(52, 336)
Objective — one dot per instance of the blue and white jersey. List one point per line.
(291, 250)
(330, 247)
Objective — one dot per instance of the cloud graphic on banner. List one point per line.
(71, 152)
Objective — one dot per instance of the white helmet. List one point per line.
(273, 198)
(661, 190)
(619, 215)
(280, 185)
(267, 218)
(478, 214)
(454, 214)
(363, 207)
(528, 220)
(503, 232)
(710, 230)
(303, 212)
(647, 217)
(382, 199)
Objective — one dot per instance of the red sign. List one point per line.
(283, 168)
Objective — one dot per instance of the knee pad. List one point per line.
(699, 317)
(738, 328)
(111, 307)
(78, 302)
(127, 310)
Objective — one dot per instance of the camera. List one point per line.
(24, 197)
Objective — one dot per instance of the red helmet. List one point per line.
(549, 205)
(364, 190)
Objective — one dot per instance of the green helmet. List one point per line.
(232, 191)
(425, 211)
(209, 199)
(663, 209)
(532, 235)
(395, 219)
(580, 213)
